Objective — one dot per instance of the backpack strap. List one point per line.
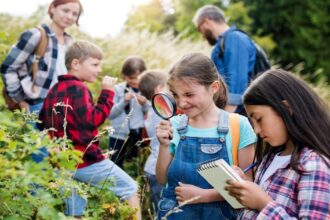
(222, 41)
(235, 135)
(222, 47)
(40, 52)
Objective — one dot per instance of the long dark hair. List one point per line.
(199, 67)
(304, 113)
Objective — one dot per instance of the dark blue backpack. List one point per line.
(262, 63)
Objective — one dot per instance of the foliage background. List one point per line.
(294, 33)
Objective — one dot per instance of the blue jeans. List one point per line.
(125, 187)
(42, 152)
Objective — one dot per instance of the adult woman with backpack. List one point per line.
(37, 59)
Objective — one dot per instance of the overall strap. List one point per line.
(183, 124)
(223, 123)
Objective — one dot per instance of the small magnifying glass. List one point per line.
(164, 105)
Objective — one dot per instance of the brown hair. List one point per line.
(199, 67)
(56, 3)
(149, 80)
(82, 50)
(132, 64)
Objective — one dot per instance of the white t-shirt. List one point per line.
(60, 62)
(278, 162)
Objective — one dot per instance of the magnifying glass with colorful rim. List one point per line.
(164, 105)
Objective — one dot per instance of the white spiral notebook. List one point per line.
(217, 173)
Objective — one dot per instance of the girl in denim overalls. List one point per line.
(201, 134)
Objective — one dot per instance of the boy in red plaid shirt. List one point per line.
(83, 117)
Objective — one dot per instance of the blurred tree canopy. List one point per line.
(301, 30)
(150, 16)
(155, 17)
(292, 32)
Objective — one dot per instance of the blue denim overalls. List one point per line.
(190, 153)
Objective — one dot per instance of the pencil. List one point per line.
(250, 167)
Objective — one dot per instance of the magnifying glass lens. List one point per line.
(163, 105)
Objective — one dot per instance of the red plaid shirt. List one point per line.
(82, 116)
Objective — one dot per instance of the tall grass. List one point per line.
(158, 50)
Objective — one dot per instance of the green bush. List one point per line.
(30, 190)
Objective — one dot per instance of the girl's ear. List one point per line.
(287, 105)
(215, 86)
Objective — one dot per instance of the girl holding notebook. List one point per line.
(199, 135)
(292, 180)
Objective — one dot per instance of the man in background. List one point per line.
(233, 52)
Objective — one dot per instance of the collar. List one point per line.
(50, 33)
(231, 28)
(68, 77)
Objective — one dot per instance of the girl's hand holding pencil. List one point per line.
(250, 167)
(248, 193)
(242, 173)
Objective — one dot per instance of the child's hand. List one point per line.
(164, 132)
(248, 194)
(240, 173)
(141, 99)
(128, 96)
(24, 105)
(108, 83)
(185, 192)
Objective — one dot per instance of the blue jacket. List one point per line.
(236, 63)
